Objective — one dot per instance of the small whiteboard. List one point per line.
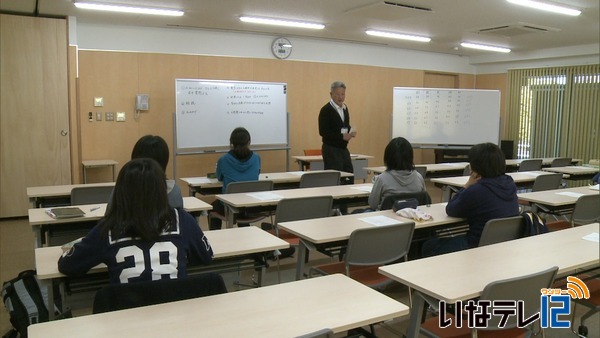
(446, 116)
(208, 110)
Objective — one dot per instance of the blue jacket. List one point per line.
(231, 169)
(487, 199)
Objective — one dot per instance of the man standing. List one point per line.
(335, 129)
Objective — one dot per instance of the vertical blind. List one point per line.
(553, 112)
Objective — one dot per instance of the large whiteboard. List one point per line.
(208, 110)
(446, 116)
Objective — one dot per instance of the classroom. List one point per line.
(80, 87)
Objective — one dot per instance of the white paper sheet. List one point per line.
(593, 237)
(364, 188)
(379, 220)
(570, 194)
(265, 196)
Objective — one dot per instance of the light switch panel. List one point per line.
(120, 116)
(98, 102)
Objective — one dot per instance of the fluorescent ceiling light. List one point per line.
(128, 9)
(485, 47)
(277, 22)
(546, 7)
(398, 36)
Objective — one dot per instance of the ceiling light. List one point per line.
(128, 9)
(398, 36)
(546, 7)
(485, 47)
(277, 22)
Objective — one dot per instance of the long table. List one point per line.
(325, 231)
(358, 193)
(359, 161)
(433, 170)
(463, 275)
(40, 220)
(335, 302)
(205, 185)
(230, 248)
(575, 172)
(59, 194)
(558, 199)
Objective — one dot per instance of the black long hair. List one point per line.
(240, 143)
(139, 206)
(399, 155)
(154, 147)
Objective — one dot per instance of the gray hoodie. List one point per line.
(393, 182)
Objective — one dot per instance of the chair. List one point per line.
(586, 211)
(125, 296)
(561, 162)
(91, 195)
(323, 333)
(421, 170)
(241, 187)
(501, 230)
(320, 179)
(311, 152)
(422, 197)
(530, 165)
(593, 303)
(547, 182)
(467, 170)
(526, 288)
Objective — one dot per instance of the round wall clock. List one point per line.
(281, 48)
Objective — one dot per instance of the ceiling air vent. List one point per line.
(390, 3)
(516, 29)
(387, 10)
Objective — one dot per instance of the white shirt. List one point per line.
(339, 109)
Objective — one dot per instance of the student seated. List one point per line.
(141, 237)
(489, 193)
(238, 165)
(399, 176)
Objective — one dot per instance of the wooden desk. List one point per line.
(336, 302)
(39, 219)
(40, 196)
(433, 170)
(99, 164)
(520, 178)
(463, 275)
(575, 172)
(205, 185)
(323, 231)
(559, 199)
(230, 248)
(359, 161)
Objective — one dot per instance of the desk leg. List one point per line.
(446, 192)
(300, 165)
(49, 285)
(84, 174)
(301, 254)
(416, 315)
(114, 168)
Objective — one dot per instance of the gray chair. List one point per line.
(524, 288)
(91, 195)
(586, 211)
(547, 182)
(501, 230)
(561, 162)
(323, 333)
(530, 165)
(422, 197)
(467, 170)
(249, 215)
(421, 170)
(320, 179)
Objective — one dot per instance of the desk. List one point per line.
(463, 275)
(546, 161)
(39, 219)
(205, 185)
(520, 178)
(41, 196)
(433, 170)
(99, 164)
(346, 193)
(559, 199)
(336, 302)
(575, 172)
(236, 243)
(323, 231)
(359, 161)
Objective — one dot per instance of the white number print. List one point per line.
(158, 269)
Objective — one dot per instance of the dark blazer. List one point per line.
(330, 126)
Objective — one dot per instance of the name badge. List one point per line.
(344, 131)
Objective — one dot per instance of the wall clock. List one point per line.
(281, 48)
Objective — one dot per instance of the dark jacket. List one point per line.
(330, 126)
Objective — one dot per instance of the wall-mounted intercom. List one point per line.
(141, 102)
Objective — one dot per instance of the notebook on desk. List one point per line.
(69, 212)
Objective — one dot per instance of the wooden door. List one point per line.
(34, 124)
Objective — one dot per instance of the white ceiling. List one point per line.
(448, 23)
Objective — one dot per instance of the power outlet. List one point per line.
(109, 116)
(98, 116)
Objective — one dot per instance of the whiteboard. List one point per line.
(444, 116)
(208, 110)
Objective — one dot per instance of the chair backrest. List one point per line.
(312, 152)
(91, 195)
(379, 245)
(561, 162)
(422, 197)
(323, 333)
(530, 165)
(249, 186)
(467, 170)
(547, 182)
(124, 296)
(320, 179)
(587, 210)
(296, 209)
(421, 170)
(501, 230)
(526, 288)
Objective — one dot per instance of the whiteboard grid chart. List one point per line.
(208, 110)
(441, 116)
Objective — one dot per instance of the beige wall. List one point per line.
(119, 76)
